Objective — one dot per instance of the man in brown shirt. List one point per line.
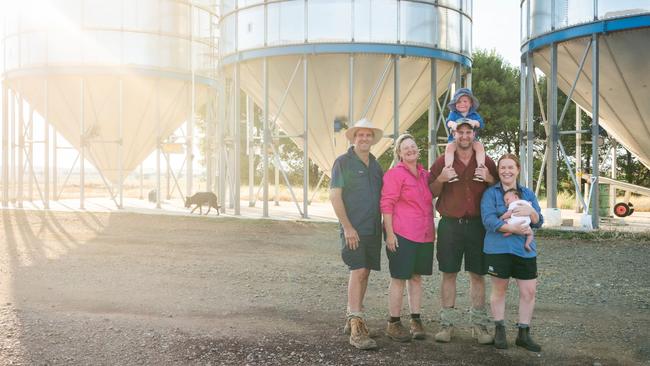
(461, 232)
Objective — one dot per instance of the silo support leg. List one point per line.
(595, 95)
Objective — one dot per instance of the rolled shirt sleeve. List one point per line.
(489, 214)
(390, 192)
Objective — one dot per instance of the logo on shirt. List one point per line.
(492, 271)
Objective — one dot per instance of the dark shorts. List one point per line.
(410, 258)
(367, 255)
(510, 265)
(458, 238)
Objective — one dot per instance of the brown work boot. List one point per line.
(397, 332)
(444, 335)
(417, 329)
(480, 320)
(481, 334)
(359, 336)
(373, 333)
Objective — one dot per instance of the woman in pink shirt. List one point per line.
(406, 205)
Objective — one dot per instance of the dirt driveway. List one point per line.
(129, 289)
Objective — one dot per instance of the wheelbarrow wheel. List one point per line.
(622, 209)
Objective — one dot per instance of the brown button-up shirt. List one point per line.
(462, 198)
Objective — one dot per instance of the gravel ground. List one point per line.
(129, 289)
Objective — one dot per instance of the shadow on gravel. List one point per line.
(134, 289)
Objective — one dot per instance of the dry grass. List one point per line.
(285, 195)
(95, 188)
(568, 201)
(131, 188)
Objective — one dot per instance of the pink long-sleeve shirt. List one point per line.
(409, 200)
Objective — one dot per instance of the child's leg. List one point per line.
(529, 239)
(450, 150)
(480, 152)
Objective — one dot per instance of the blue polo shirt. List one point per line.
(492, 207)
(361, 186)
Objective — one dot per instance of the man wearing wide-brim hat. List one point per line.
(355, 190)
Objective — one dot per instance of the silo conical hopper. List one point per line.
(112, 73)
(623, 30)
(350, 48)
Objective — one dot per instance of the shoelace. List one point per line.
(364, 329)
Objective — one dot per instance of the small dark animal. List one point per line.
(201, 198)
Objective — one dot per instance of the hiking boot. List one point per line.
(524, 340)
(359, 336)
(500, 340)
(372, 333)
(397, 332)
(444, 335)
(417, 329)
(480, 332)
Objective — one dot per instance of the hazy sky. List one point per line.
(496, 26)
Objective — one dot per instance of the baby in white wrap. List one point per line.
(512, 199)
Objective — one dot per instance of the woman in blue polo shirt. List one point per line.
(506, 257)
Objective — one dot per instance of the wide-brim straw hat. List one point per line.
(364, 123)
(459, 93)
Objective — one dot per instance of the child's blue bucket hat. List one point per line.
(459, 93)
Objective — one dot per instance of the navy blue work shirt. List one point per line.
(361, 191)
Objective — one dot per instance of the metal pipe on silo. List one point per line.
(12, 146)
(265, 139)
(396, 97)
(433, 113)
(32, 178)
(522, 120)
(189, 154)
(46, 149)
(220, 139)
(21, 150)
(578, 156)
(55, 165)
(551, 140)
(5, 146)
(351, 91)
(82, 147)
(158, 145)
(120, 147)
(530, 135)
(305, 146)
(595, 90)
(250, 123)
(237, 142)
